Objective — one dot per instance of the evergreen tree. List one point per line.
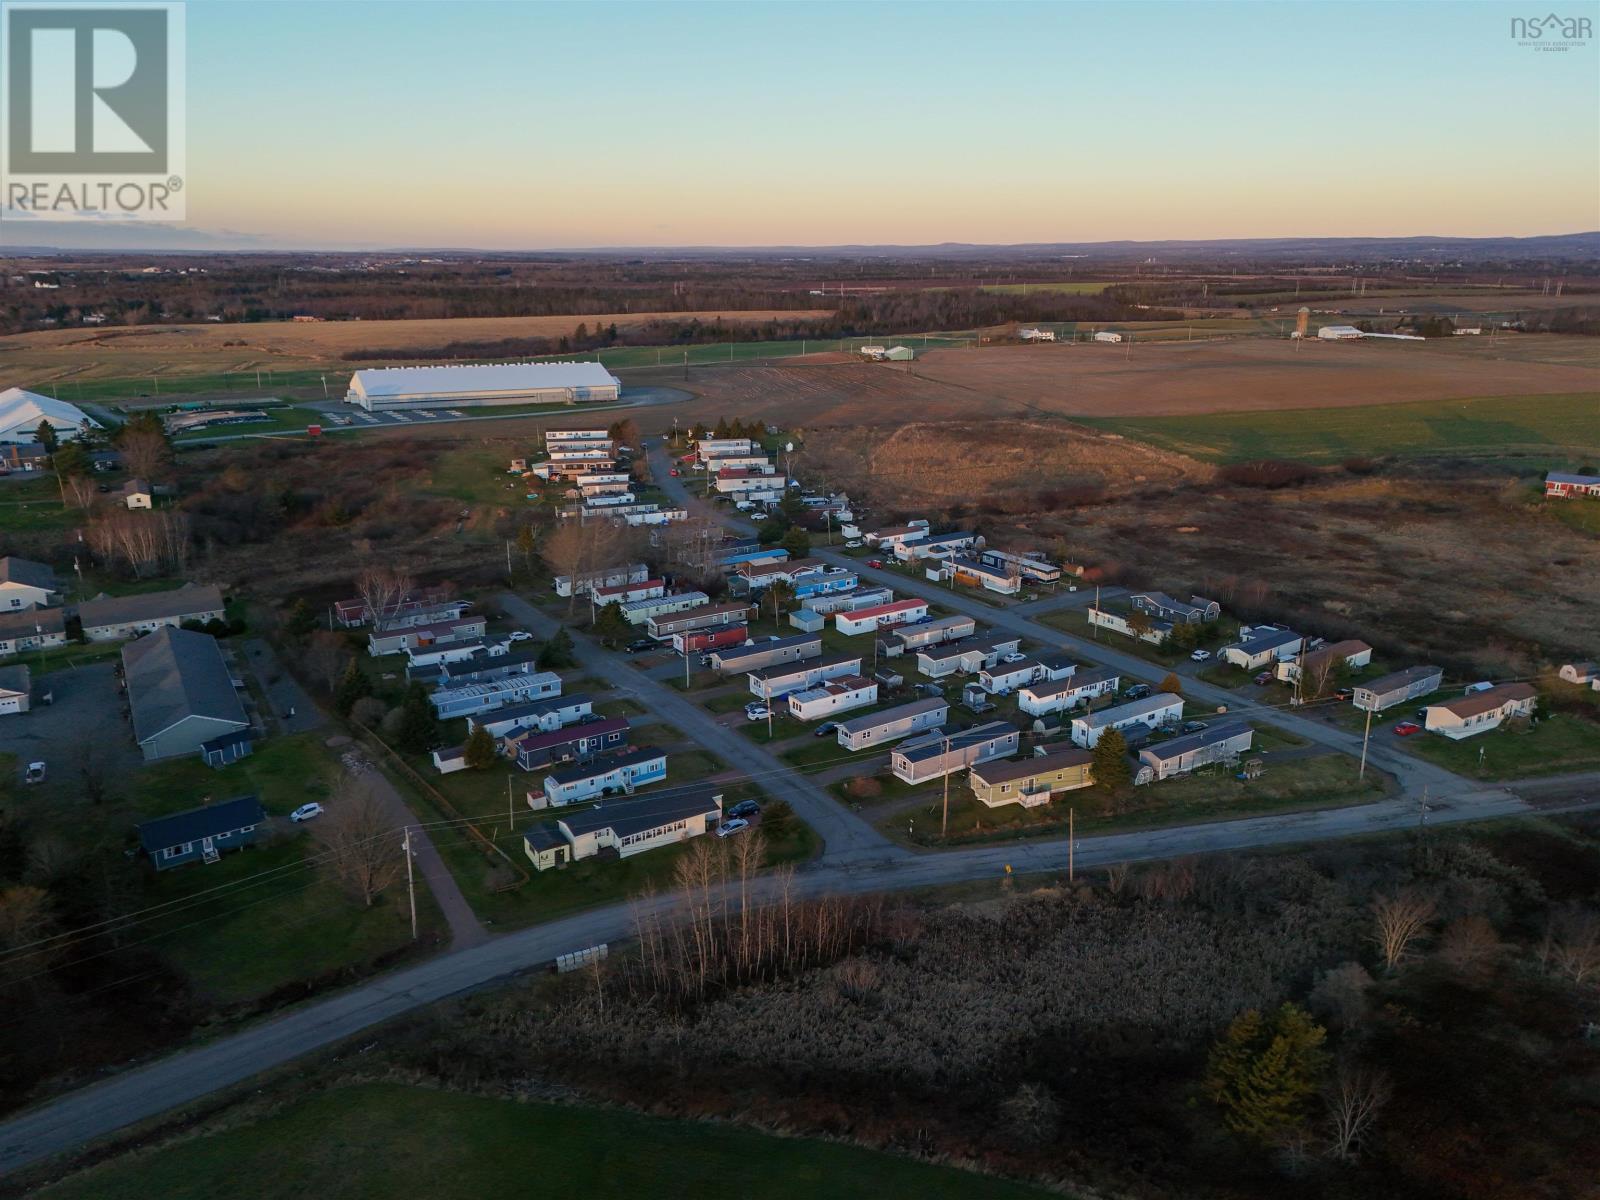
(559, 651)
(1110, 765)
(722, 428)
(45, 435)
(419, 728)
(796, 541)
(481, 753)
(525, 543)
(610, 626)
(352, 686)
(301, 620)
(1264, 1071)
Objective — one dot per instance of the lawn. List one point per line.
(380, 1140)
(284, 772)
(1210, 794)
(34, 505)
(1559, 744)
(818, 754)
(1490, 425)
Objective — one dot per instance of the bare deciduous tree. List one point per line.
(326, 657)
(1571, 944)
(149, 542)
(1399, 921)
(381, 588)
(362, 849)
(1469, 943)
(1355, 1096)
(144, 452)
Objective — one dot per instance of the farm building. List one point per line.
(627, 826)
(875, 729)
(760, 655)
(25, 583)
(832, 696)
(1565, 486)
(1037, 335)
(937, 754)
(1481, 711)
(182, 699)
(1047, 696)
(31, 629)
(606, 775)
(1339, 333)
(1031, 782)
(16, 690)
(201, 834)
(881, 616)
(1148, 713)
(1183, 754)
(21, 414)
(383, 389)
(794, 677)
(1379, 694)
(1105, 336)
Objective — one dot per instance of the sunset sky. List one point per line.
(508, 125)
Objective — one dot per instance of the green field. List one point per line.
(1492, 425)
(386, 1140)
(1561, 743)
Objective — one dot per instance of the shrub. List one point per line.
(1266, 473)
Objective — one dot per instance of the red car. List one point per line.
(1407, 728)
(875, 562)
(673, 472)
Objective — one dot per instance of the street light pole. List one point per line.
(1365, 737)
(411, 885)
(944, 821)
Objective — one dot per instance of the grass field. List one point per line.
(1561, 743)
(384, 1140)
(1490, 425)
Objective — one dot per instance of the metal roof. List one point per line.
(479, 379)
(889, 716)
(933, 745)
(604, 764)
(1009, 770)
(625, 817)
(174, 674)
(1180, 746)
(1134, 708)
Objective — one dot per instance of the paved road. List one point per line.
(100, 1109)
(846, 835)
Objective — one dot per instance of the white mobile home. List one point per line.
(1149, 713)
(871, 730)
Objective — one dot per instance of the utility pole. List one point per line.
(1072, 843)
(1365, 738)
(511, 811)
(411, 885)
(944, 821)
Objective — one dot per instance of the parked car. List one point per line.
(853, 544)
(1200, 656)
(673, 472)
(639, 646)
(1345, 694)
(824, 729)
(1263, 679)
(875, 562)
(519, 635)
(36, 773)
(306, 812)
(729, 828)
(1013, 658)
(756, 712)
(1137, 692)
(1407, 728)
(745, 809)
(1194, 726)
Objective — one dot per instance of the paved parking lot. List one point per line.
(86, 718)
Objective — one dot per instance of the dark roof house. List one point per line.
(201, 834)
(180, 692)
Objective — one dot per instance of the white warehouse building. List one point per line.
(483, 385)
